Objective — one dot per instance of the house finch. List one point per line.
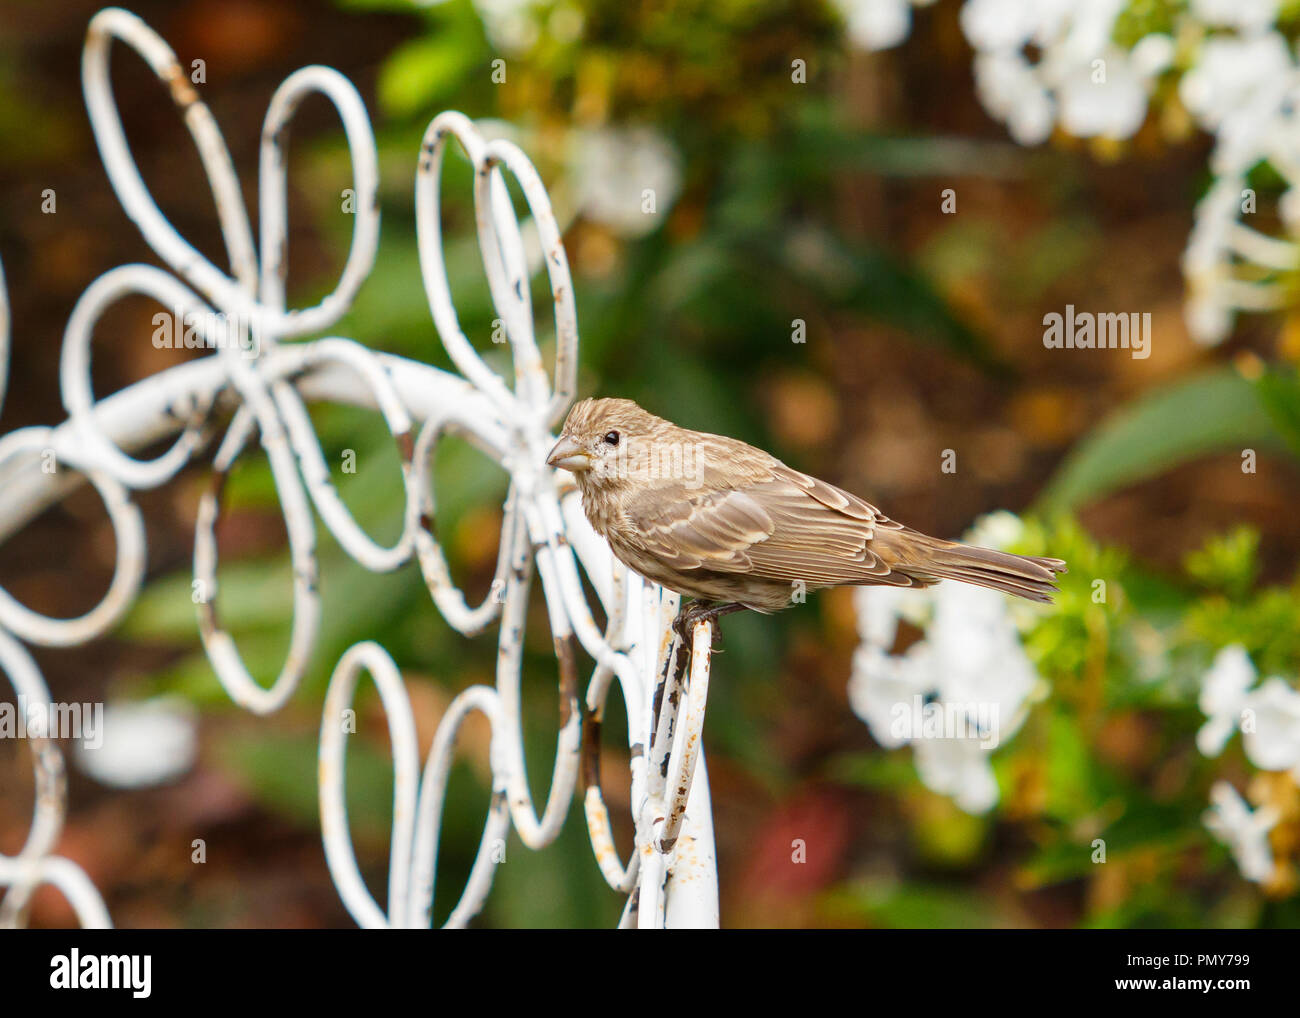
(732, 527)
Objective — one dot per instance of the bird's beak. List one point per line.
(568, 455)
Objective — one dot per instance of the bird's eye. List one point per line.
(612, 437)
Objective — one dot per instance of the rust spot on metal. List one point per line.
(683, 659)
(217, 484)
(208, 616)
(564, 653)
(590, 751)
(406, 445)
(655, 710)
(182, 92)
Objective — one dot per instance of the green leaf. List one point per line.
(1279, 392)
(1215, 411)
(425, 72)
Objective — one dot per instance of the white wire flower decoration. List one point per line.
(265, 369)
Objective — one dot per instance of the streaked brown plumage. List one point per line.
(721, 521)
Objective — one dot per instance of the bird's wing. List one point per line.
(786, 527)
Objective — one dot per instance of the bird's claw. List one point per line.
(684, 625)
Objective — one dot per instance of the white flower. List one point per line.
(144, 744)
(1288, 208)
(1248, 15)
(1103, 100)
(1207, 253)
(1245, 833)
(960, 769)
(1000, 530)
(1208, 317)
(879, 610)
(977, 654)
(992, 25)
(969, 674)
(1268, 715)
(1224, 255)
(1223, 696)
(882, 684)
(1272, 736)
(1011, 92)
(876, 24)
(1153, 55)
(615, 169)
(1091, 25)
(1094, 87)
(878, 614)
(1229, 71)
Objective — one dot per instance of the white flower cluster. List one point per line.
(1078, 76)
(1268, 715)
(1246, 90)
(955, 694)
(1244, 831)
(1043, 64)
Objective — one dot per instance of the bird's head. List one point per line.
(604, 439)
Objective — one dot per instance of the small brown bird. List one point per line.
(732, 527)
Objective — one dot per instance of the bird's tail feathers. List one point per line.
(927, 559)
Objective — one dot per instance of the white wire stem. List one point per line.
(337, 718)
(262, 386)
(4, 337)
(35, 864)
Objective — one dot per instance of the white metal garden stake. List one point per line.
(266, 381)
